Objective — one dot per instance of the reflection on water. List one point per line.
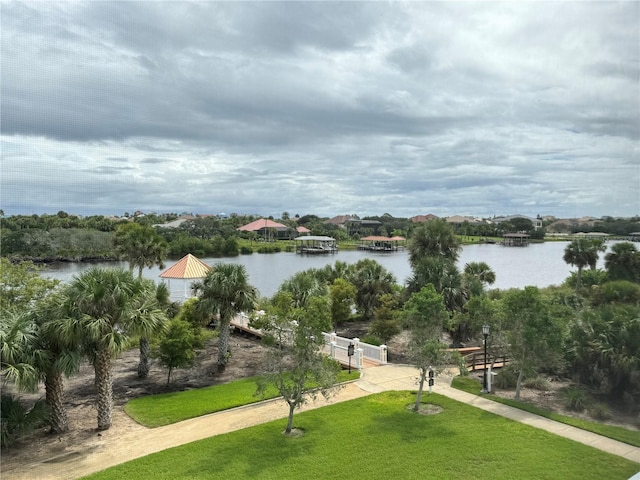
(515, 267)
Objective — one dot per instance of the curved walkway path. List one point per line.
(374, 380)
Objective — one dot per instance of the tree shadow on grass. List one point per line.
(263, 446)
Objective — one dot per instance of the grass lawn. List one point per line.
(377, 437)
(167, 408)
(616, 433)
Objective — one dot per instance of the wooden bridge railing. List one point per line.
(475, 361)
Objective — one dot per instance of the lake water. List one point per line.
(539, 264)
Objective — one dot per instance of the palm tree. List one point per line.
(623, 262)
(152, 298)
(481, 271)
(304, 285)
(434, 238)
(17, 338)
(226, 291)
(34, 350)
(103, 307)
(141, 247)
(443, 274)
(477, 275)
(56, 353)
(581, 253)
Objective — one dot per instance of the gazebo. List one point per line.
(187, 269)
(380, 244)
(515, 239)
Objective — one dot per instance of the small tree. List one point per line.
(423, 315)
(178, 345)
(385, 324)
(342, 294)
(534, 338)
(296, 366)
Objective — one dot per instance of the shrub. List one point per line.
(576, 399)
(589, 278)
(246, 250)
(372, 340)
(600, 411)
(619, 291)
(538, 383)
(506, 378)
(18, 420)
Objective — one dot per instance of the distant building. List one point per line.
(423, 218)
(268, 229)
(354, 225)
(177, 222)
(460, 219)
(537, 222)
(340, 220)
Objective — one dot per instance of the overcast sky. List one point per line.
(480, 108)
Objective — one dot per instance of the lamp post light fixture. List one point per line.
(350, 352)
(485, 333)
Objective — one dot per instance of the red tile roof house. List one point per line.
(268, 229)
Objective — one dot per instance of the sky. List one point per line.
(325, 108)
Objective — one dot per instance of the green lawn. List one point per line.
(377, 437)
(167, 408)
(631, 437)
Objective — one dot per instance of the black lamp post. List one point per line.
(350, 351)
(485, 332)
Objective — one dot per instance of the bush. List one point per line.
(538, 383)
(506, 378)
(269, 249)
(246, 250)
(576, 399)
(600, 411)
(372, 340)
(589, 278)
(620, 291)
(18, 420)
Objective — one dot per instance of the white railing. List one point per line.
(341, 354)
(334, 346)
(370, 352)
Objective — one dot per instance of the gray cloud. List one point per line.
(326, 108)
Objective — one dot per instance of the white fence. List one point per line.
(335, 346)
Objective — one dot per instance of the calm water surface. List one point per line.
(540, 265)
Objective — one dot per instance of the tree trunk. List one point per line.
(423, 375)
(143, 366)
(104, 384)
(287, 430)
(54, 396)
(519, 384)
(223, 344)
(169, 376)
(579, 279)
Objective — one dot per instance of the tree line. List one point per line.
(65, 237)
(587, 329)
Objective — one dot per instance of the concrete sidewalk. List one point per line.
(374, 380)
